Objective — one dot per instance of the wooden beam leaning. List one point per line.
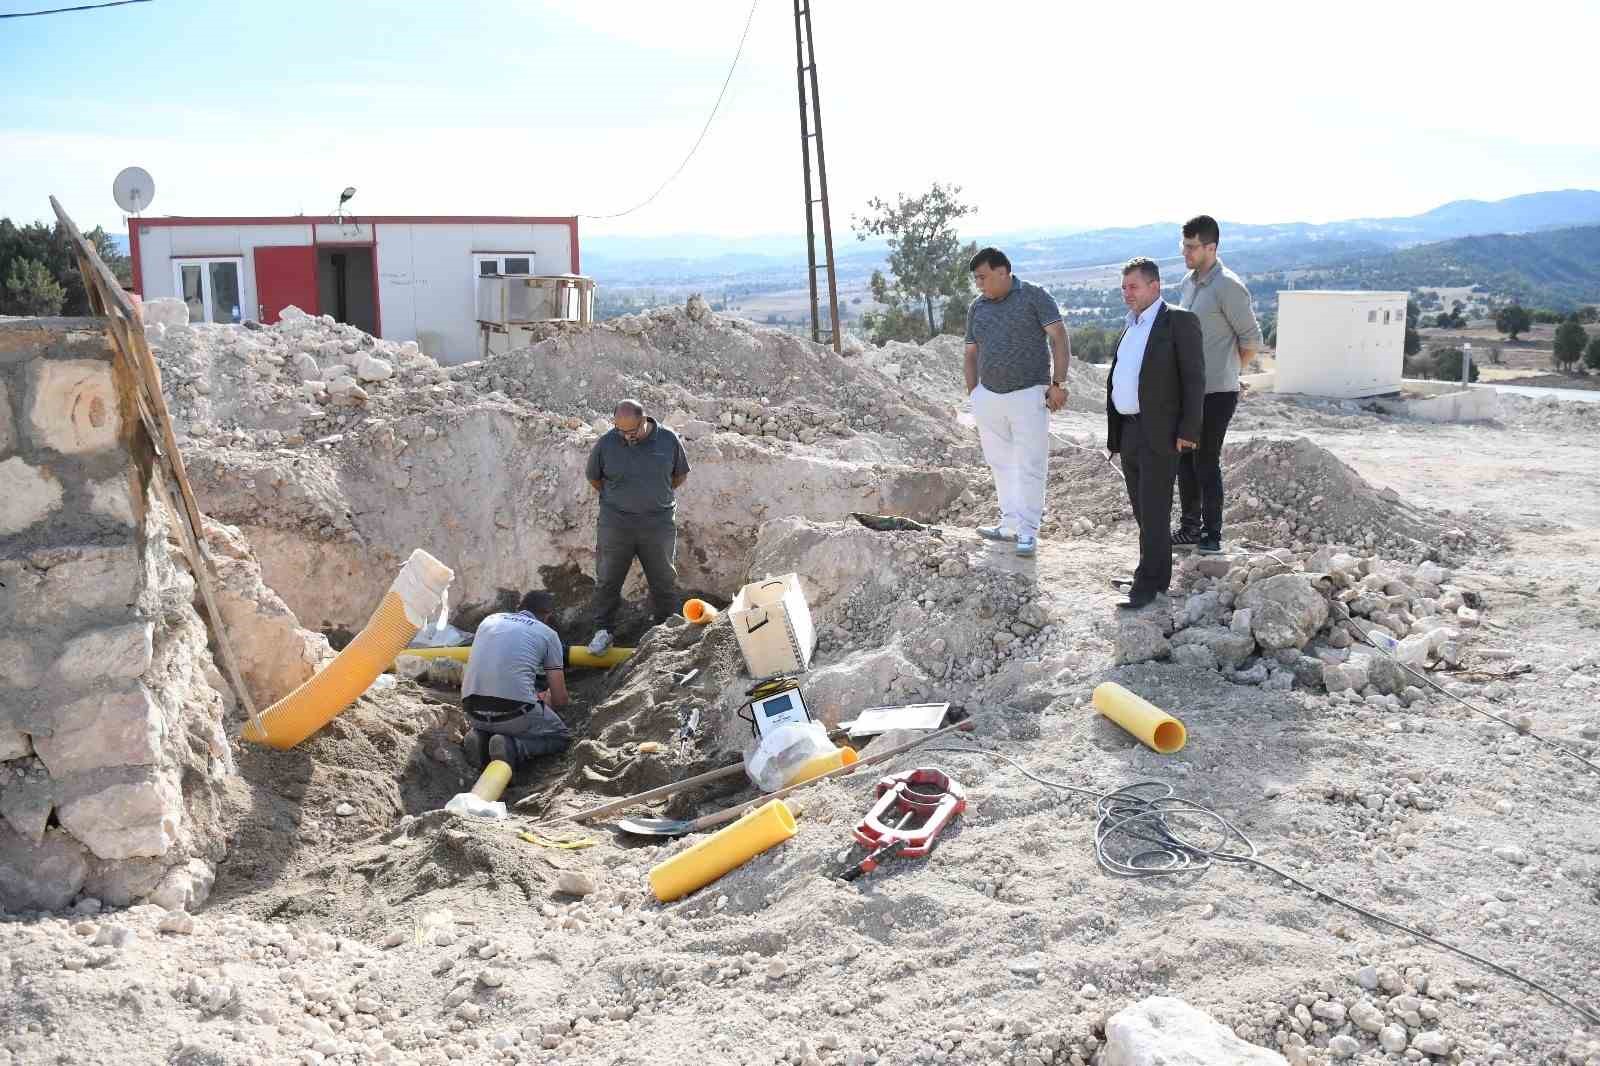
(126, 329)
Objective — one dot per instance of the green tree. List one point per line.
(1447, 364)
(1413, 343)
(1094, 344)
(30, 290)
(49, 247)
(1571, 339)
(927, 261)
(1512, 320)
(1591, 355)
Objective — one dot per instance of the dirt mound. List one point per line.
(1293, 493)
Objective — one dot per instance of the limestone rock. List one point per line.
(1387, 676)
(28, 495)
(43, 876)
(115, 652)
(1194, 655)
(123, 821)
(14, 744)
(118, 728)
(165, 311)
(1141, 635)
(112, 499)
(1231, 649)
(306, 368)
(575, 883)
(19, 668)
(1286, 611)
(185, 888)
(75, 406)
(1163, 1031)
(371, 368)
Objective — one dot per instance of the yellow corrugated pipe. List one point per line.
(405, 609)
(577, 655)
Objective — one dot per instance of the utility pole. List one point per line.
(811, 130)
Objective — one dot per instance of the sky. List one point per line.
(1047, 114)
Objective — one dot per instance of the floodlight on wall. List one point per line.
(344, 198)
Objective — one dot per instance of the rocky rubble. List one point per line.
(1282, 621)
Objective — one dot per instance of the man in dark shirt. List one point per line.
(637, 468)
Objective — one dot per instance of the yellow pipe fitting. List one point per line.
(844, 755)
(492, 782)
(1154, 728)
(699, 612)
(725, 850)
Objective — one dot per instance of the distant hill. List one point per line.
(1557, 268)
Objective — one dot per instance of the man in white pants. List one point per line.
(1016, 369)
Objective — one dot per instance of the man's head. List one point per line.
(539, 603)
(992, 271)
(628, 417)
(1141, 283)
(1200, 240)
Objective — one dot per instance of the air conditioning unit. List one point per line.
(503, 300)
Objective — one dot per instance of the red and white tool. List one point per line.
(925, 800)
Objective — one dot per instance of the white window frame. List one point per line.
(479, 258)
(206, 298)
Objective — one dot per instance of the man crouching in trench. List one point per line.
(515, 677)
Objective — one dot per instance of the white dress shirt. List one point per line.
(1130, 359)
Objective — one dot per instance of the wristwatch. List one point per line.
(1058, 384)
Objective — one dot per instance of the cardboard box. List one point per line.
(773, 624)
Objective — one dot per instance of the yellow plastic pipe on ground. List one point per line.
(844, 755)
(699, 612)
(726, 849)
(577, 655)
(1155, 728)
(493, 781)
(411, 600)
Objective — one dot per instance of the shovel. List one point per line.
(674, 827)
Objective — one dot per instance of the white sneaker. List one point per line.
(996, 533)
(601, 642)
(1026, 546)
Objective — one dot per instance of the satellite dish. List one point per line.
(133, 190)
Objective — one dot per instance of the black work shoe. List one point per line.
(1137, 600)
(1186, 538)
(476, 747)
(500, 749)
(1209, 546)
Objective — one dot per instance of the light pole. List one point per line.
(1466, 365)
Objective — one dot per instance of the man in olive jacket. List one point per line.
(1155, 398)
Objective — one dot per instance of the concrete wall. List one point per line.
(110, 737)
(1340, 344)
(426, 291)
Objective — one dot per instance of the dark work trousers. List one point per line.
(533, 728)
(1200, 471)
(654, 542)
(1149, 474)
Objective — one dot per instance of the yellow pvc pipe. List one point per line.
(1155, 728)
(843, 755)
(725, 850)
(493, 781)
(577, 655)
(404, 609)
(699, 612)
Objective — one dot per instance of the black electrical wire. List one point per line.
(1135, 836)
(647, 201)
(64, 10)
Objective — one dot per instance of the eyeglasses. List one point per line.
(1190, 246)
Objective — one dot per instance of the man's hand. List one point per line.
(1055, 397)
(1186, 445)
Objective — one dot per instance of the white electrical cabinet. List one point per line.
(1340, 344)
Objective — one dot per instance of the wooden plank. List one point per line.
(128, 335)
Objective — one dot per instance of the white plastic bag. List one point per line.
(465, 804)
(771, 761)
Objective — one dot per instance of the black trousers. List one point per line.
(1200, 471)
(1149, 473)
(654, 542)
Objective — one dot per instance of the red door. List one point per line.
(284, 276)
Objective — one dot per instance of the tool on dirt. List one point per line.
(875, 721)
(672, 827)
(926, 800)
(774, 702)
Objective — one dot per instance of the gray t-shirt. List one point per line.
(1013, 352)
(636, 479)
(509, 654)
(1227, 324)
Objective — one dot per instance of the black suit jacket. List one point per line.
(1172, 382)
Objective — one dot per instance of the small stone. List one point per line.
(178, 923)
(776, 969)
(344, 810)
(1089, 991)
(371, 368)
(1433, 1043)
(469, 1012)
(491, 978)
(575, 883)
(1344, 1047)
(1512, 854)
(394, 938)
(1331, 1011)
(1367, 978)
(1392, 1038)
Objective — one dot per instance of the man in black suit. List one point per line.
(1155, 398)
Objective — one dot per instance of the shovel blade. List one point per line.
(656, 827)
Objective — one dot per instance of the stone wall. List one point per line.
(110, 737)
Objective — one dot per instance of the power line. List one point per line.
(63, 10)
(748, 19)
